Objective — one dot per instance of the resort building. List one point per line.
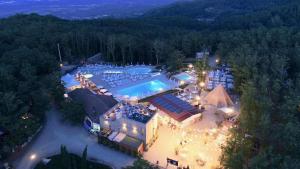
(136, 121)
(95, 106)
(173, 110)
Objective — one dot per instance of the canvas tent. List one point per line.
(218, 97)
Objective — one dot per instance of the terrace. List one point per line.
(137, 112)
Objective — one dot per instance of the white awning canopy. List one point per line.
(119, 137)
(112, 136)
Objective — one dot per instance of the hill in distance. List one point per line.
(81, 9)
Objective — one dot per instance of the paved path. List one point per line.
(56, 133)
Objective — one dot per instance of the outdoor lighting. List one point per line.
(61, 65)
(190, 66)
(124, 126)
(181, 82)
(134, 130)
(204, 72)
(217, 60)
(33, 157)
(66, 95)
(202, 84)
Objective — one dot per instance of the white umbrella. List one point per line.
(100, 87)
(103, 90)
(134, 98)
(151, 107)
(108, 94)
(126, 97)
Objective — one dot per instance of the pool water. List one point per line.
(139, 70)
(144, 89)
(184, 77)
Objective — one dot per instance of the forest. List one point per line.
(262, 44)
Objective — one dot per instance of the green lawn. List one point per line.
(58, 162)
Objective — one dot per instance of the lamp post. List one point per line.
(202, 84)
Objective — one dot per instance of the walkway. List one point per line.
(56, 133)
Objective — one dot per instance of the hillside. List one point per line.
(80, 9)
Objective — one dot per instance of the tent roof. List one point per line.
(218, 97)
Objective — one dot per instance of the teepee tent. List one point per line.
(218, 97)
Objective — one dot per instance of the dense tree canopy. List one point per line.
(261, 44)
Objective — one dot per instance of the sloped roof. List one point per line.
(94, 104)
(218, 97)
(176, 108)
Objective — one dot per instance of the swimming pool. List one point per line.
(183, 76)
(144, 89)
(139, 70)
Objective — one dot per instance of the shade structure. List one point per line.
(151, 107)
(108, 94)
(99, 86)
(119, 137)
(218, 97)
(103, 90)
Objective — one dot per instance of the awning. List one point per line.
(112, 136)
(119, 137)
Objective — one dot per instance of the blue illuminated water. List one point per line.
(144, 89)
(184, 77)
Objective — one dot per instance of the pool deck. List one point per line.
(97, 79)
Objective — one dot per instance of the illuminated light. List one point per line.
(134, 130)
(217, 60)
(106, 122)
(124, 126)
(181, 82)
(204, 72)
(66, 95)
(61, 65)
(198, 98)
(190, 66)
(202, 84)
(33, 157)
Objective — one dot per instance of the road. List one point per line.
(56, 133)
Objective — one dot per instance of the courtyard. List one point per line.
(196, 146)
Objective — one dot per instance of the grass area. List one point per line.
(58, 162)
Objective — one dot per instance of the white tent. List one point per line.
(218, 97)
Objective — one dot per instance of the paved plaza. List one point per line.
(197, 146)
